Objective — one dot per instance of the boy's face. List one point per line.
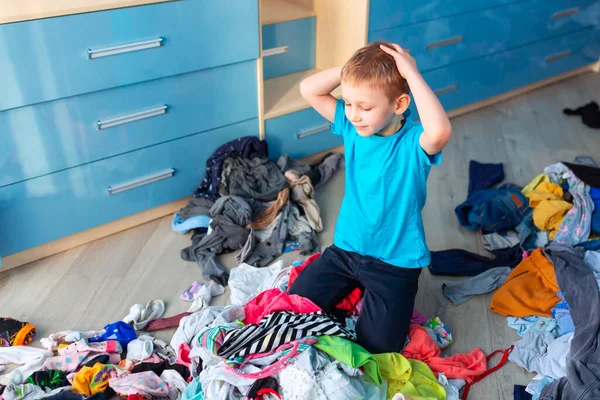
(369, 109)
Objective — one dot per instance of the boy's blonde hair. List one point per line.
(372, 66)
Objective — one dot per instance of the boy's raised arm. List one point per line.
(317, 88)
(436, 126)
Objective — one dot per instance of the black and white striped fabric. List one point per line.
(276, 329)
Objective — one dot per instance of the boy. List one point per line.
(379, 244)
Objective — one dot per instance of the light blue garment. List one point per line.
(197, 221)
(533, 324)
(562, 315)
(193, 391)
(386, 179)
(535, 387)
(592, 260)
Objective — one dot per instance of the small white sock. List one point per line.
(205, 294)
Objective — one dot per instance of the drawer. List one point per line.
(459, 38)
(300, 134)
(52, 136)
(40, 210)
(461, 84)
(385, 14)
(288, 47)
(48, 59)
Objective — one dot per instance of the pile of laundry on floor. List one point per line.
(253, 205)
(545, 274)
(268, 344)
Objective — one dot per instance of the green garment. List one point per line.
(412, 378)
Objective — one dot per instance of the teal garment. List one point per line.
(193, 391)
(386, 188)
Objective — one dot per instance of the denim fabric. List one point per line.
(493, 210)
(456, 262)
(484, 176)
(529, 235)
(590, 245)
(492, 279)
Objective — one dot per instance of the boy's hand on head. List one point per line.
(405, 63)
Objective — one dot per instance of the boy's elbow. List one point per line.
(304, 89)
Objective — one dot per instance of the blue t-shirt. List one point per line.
(386, 188)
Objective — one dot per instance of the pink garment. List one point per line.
(71, 362)
(422, 347)
(146, 384)
(183, 358)
(418, 318)
(273, 300)
(154, 358)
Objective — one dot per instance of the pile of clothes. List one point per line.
(247, 202)
(268, 344)
(546, 272)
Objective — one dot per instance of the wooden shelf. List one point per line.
(275, 11)
(24, 10)
(282, 94)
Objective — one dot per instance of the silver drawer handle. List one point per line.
(566, 13)
(124, 48)
(312, 131)
(109, 123)
(447, 89)
(141, 181)
(274, 51)
(445, 42)
(558, 56)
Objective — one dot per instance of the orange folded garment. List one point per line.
(530, 289)
(458, 366)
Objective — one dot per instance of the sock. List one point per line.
(205, 294)
(189, 294)
(119, 331)
(590, 114)
(51, 379)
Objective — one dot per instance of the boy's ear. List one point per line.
(402, 103)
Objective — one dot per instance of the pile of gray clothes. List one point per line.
(259, 206)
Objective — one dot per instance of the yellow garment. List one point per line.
(412, 378)
(549, 208)
(91, 380)
(544, 191)
(549, 215)
(534, 183)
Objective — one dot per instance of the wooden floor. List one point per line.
(95, 284)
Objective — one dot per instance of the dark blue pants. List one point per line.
(389, 294)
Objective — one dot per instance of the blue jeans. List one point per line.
(493, 210)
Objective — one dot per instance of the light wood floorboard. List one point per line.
(95, 284)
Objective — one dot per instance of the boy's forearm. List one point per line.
(322, 83)
(433, 117)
